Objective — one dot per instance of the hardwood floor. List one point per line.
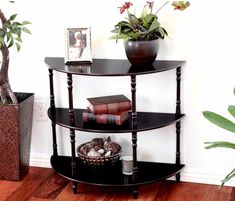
(43, 184)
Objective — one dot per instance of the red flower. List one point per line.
(127, 5)
(122, 9)
(177, 8)
(149, 4)
(180, 5)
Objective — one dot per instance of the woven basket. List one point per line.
(99, 161)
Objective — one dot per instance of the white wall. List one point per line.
(203, 36)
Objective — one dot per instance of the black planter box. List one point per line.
(15, 137)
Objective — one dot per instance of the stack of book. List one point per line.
(107, 109)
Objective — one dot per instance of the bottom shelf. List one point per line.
(112, 176)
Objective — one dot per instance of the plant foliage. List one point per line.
(226, 124)
(10, 35)
(147, 26)
(11, 32)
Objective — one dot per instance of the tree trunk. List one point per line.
(6, 93)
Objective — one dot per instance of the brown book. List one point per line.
(116, 119)
(109, 104)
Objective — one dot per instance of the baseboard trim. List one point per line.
(200, 176)
(187, 175)
(39, 160)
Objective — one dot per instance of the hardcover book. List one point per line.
(109, 104)
(116, 119)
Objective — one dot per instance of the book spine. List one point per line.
(104, 118)
(111, 108)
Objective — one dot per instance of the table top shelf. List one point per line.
(112, 176)
(145, 121)
(110, 67)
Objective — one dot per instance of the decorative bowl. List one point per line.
(99, 152)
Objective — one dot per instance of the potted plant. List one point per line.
(16, 109)
(141, 34)
(227, 125)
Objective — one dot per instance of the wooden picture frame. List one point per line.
(78, 45)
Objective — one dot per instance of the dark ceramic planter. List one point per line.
(15, 137)
(141, 53)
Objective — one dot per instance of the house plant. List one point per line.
(227, 125)
(10, 34)
(16, 109)
(141, 34)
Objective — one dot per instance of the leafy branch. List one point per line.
(11, 31)
(226, 124)
(10, 35)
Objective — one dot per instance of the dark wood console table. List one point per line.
(143, 172)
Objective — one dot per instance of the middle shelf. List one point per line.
(145, 121)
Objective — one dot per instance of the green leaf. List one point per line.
(13, 17)
(165, 32)
(161, 31)
(1, 41)
(234, 91)
(25, 23)
(219, 121)
(18, 32)
(17, 46)
(24, 29)
(122, 24)
(221, 144)
(231, 110)
(125, 29)
(228, 177)
(16, 24)
(11, 43)
(6, 25)
(134, 20)
(155, 24)
(121, 36)
(9, 36)
(18, 39)
(2, 33)
(149, 18)
(144, 12)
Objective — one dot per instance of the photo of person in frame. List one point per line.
(77, 40)
(78, 45)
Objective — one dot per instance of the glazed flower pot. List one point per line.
(141, 53)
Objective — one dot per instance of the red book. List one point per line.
(109, 104)
(116, 119)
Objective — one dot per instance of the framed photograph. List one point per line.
(78, 45)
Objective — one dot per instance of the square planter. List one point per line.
(15, 137)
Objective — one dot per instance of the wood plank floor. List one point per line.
(43, 184)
